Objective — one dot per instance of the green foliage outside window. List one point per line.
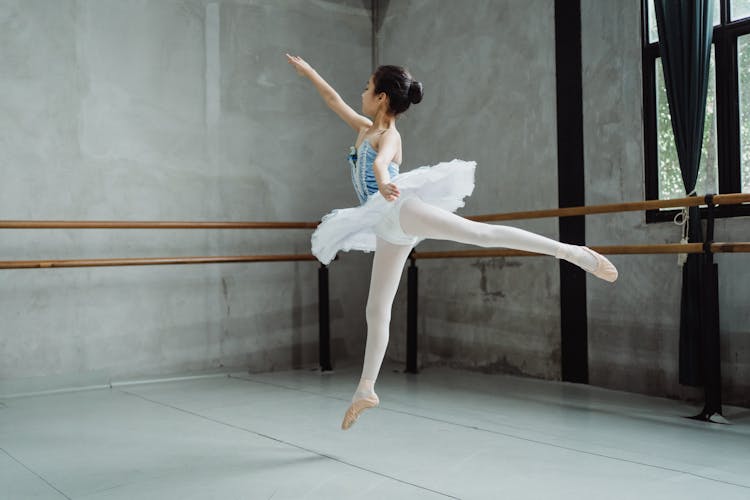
(739, 9)
(670, 178)
(743, 56)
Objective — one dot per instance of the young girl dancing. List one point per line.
(397, 211)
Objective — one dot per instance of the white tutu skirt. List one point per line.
(444, 185)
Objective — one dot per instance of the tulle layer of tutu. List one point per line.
(444, 185)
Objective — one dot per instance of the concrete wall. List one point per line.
(186, 110)
(171, 110)
(634, 329)
(488, 69)
(489, 75)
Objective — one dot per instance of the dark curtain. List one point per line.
(685, 32)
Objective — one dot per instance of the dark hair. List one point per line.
(398, 85)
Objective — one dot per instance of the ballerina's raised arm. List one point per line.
(329, 95)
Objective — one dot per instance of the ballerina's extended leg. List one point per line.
(422, 219)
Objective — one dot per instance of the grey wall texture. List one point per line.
(634, 327)
(488, 69)
(187, 110)
(489, 74)
(171, 110)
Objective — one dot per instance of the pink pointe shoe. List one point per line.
(356, 408)
(604, 268)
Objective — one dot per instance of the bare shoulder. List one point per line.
(389, 144)
(390, 136)
(393, 133)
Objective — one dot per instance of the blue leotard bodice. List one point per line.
(363, 174)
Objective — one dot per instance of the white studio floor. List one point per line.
(442, 433)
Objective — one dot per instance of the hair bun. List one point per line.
(415, 92)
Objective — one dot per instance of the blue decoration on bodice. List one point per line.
(363, 175)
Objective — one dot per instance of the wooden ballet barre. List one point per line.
(152, 261)
(669, 248)
(738, 247)
(51, 224)
(691, 201)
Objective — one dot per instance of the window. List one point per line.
(670, 178)
(743, 65)
(725, 155)
(740, 9)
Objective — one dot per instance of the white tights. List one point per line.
(421, 219)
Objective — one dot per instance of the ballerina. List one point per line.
(397, 211)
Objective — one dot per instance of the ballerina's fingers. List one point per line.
(390, 191)
(299, 64)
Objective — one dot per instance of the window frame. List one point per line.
(725, 37)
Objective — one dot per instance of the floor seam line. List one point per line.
(278, 440)
(34, 472)
(543, 443)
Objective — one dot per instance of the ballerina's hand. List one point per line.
(299, 64)
(389, 191)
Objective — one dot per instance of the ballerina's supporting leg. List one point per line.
(422, 219)
(387, 266)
